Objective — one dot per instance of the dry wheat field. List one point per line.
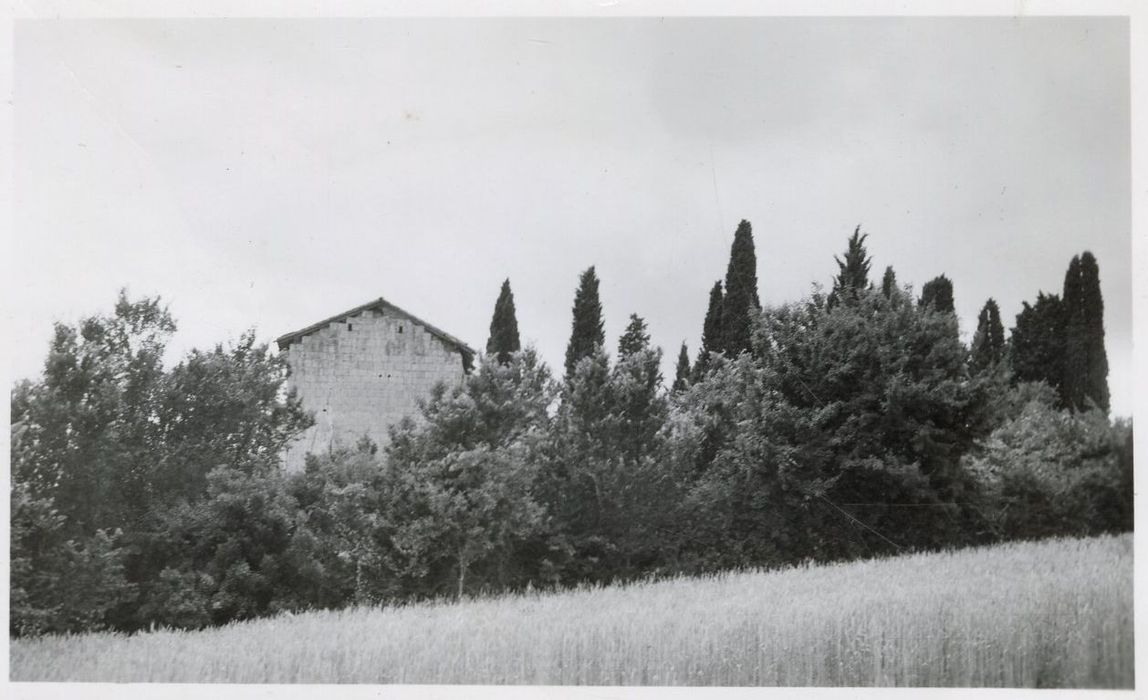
(1056, 613)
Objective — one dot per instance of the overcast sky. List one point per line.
(272, 173)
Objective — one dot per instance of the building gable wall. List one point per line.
(360, 374)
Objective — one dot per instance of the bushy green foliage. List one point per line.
(459, 482)
(221, 407)
(177, 599)
(86, 429)
(116, 443)
(841, 434)
(59, 583)
(108, 434)
(1051, 472)
(605, 482)
(338, 550)
(226, 552)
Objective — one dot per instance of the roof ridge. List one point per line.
(286, 339)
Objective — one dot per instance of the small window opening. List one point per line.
(350, 326)
(400, 329)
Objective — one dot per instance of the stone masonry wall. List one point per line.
(362, 374)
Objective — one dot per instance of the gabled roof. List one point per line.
(380, 304)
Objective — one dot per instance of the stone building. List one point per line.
(363, 370)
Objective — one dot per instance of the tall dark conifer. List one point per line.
(853, 271)
(741, 301)
(1075, 337)
(1036, 344)
(1093, 303)
(635, 338)
(888, 282)
(682, 371)
(503, 327)
(988, 342)
(711, 330)
(587, 329)
(938, 293)
(1085, 359)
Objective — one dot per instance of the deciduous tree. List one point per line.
(459, 482)
(88, 423)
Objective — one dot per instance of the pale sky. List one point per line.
(271, 173)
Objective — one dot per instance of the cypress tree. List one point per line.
(1036, 344)
(682, 372)
(938, 293)
(741, 301)
(586, 332)
(711, 330)
(503, 327)
(1085, 359)
(853, 272)
(1075, 335)
(888, 282)
(634, 339)
(1093, 303)
(988, 342)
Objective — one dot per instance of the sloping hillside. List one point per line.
(1053, 613)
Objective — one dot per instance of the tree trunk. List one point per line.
(358, 580)
(462, 565)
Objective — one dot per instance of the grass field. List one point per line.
(1050, 614)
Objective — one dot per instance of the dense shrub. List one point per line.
(458, 484)
(608, 488)
(839, 436)
(1056, 472)
(230, 547)
(59, 583)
